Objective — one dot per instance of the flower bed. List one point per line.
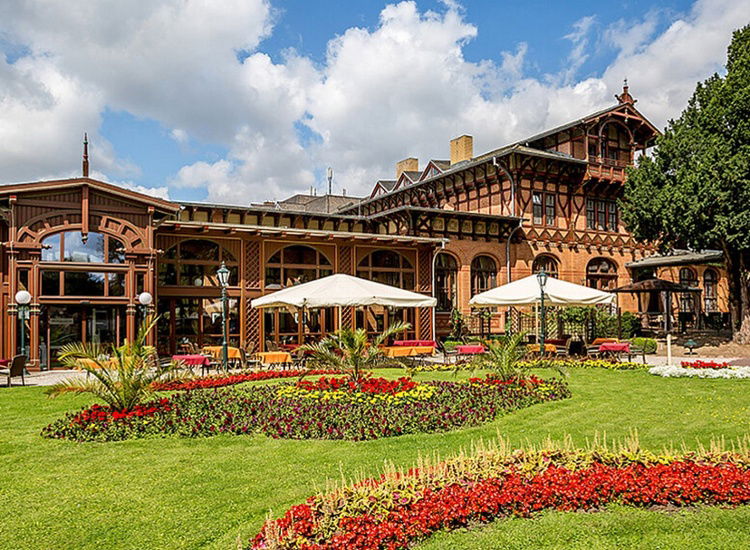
(581, 364)
(221, 380)
(398, 509)
(698, 364)
(707, 372)
(295, 412)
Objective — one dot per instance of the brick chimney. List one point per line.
(462, 148)
(407, 165)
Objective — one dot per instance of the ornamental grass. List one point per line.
(400, 508)
(331, 409)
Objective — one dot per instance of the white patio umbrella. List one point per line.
(341, 290)
(526, 292)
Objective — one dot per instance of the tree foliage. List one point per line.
(694, 191)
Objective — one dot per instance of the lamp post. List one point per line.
(145, 299)
(542, 278)
(22, 299)
(223, 274)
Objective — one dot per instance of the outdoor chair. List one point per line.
(249, 360)
(271, 346)
(17, 368)
(447, 355)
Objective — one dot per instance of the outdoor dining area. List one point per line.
(339, 291)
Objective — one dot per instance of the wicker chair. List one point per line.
(17, 368)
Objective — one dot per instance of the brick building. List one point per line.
(86, 249)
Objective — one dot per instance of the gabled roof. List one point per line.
(56, 185)
(589, 118)
(383, 186)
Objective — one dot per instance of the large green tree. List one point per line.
(694, 191)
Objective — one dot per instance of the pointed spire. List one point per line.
(85, 166)
(625, 96)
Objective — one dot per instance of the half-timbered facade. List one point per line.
(86, 249)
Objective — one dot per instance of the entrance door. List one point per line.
(67, 324)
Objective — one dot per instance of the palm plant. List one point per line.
(503, 356)
(121, 376)
(349, 350)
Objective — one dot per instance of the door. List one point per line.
(68, 324)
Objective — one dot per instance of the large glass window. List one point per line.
(296, 264)
(538, 207)
(548, 264)
(187, 324)
(687, 299)
(543, 208)
(446, 274)
(710, 290)
(601, 214)
(483, 274)
(387, 267)
(601, 273)
(70, 246)
(82, 283)
(194, 263)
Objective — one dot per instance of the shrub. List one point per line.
(648, 345)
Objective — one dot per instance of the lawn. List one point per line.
(203, 493)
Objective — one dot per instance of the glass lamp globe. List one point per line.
(23, 297)
(145, 298)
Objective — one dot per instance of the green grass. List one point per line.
(180, 493)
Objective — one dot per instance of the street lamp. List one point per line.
(145, 299)
(223, 274)
(542, 278)
(22, 299)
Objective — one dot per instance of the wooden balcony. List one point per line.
(607, 169)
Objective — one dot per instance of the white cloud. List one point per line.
(402, 88)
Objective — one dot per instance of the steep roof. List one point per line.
(56, 185)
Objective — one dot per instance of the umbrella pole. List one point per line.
(340, 327)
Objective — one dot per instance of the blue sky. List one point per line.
(247, 103)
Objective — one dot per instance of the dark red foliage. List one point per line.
(679, 483)
(229, 380)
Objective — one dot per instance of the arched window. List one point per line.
(687, 299)
(601, 273)
(71, 246)
(548, 264)
(483, 274)
(194, 263)
(446, 273)
(710, 290)
(296, 264)
(387, 267)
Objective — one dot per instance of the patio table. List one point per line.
(470, 349)
(548, 348)
(193, 360)
(413, 343)
(274, 357)
(233, 354)
(615, 347)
